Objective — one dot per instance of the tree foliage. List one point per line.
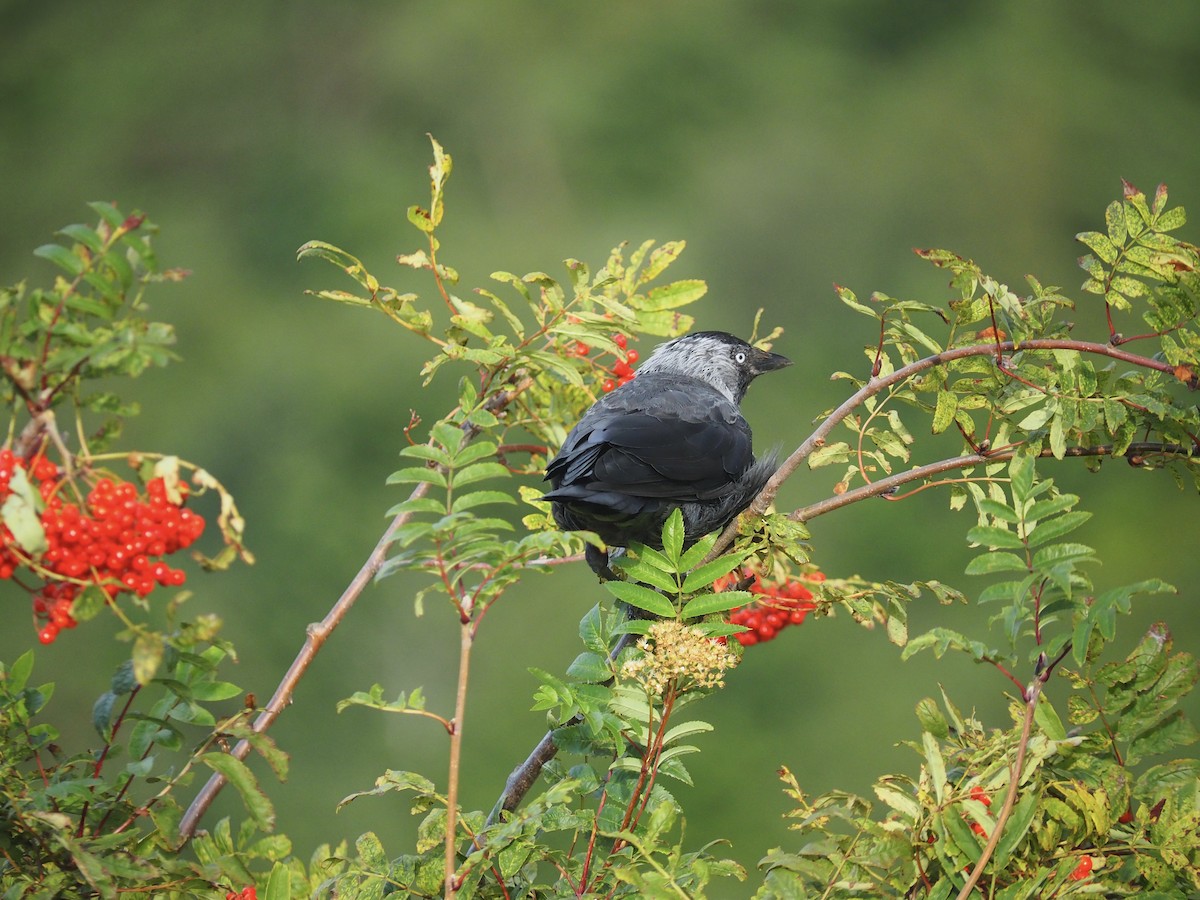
(1091, 796)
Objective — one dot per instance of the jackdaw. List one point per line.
(673, 437)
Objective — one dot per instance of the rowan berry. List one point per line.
(608, 386)
(632, 356)
(1083, 869)
(620, 340)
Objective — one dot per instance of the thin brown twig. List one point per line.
(821, 434)
(1010, 798)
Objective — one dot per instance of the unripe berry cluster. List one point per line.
(115, 539)
(621, 371)
(781, 605)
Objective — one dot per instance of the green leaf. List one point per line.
(478, 472)
(998, 510)
(279, 884)
(931, 718)
(1016, 827)
(417, 475)
(102, 711)
(1055, 528)
(69, 262)
(21, 512)
(147, 656)
(480, 498)
(996, 561)
(427, 452)
(830, 454)
(18, 673)
(703, 576)
(238, 774)
(936, 765)
(1048, 720)
(693, 554)
(642, 598)
(994, 536)
(671, 296)
(1099, 244)
(943, 413)
(591, 667)
(672, 536)
(214, 690)
(1020, 472)
(707, 604)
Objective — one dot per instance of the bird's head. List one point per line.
(726, 362)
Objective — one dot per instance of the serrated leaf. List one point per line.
(417, 475)
(478, 472)
(996, 561)
(642, 598)
(427, 452)
(944, 410)
(707, 604)
(590, 667)
(238, 774)
(995, 536)
(1050, 529)
(837, 452)
(703, 576)
(1100, 244)
(480, 498)
(671, 296)
(672, 536)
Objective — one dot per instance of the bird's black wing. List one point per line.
(663, 437)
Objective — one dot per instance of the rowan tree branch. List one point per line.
(885, 486)
(874, 385)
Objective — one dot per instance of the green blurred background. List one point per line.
(792, 145)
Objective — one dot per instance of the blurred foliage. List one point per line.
(794, 146)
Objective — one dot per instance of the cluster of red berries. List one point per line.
(782, 605)
(246, 893)
(116, 539)
(622, 370)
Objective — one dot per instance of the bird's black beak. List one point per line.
(765, 361)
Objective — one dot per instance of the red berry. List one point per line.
(1082, 870)
(632, 356)
(608, 386)
(582, 349)
(620, 340)
(622, 368)
(1126, 817)
(48, 634)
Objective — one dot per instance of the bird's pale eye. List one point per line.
(740, 357)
